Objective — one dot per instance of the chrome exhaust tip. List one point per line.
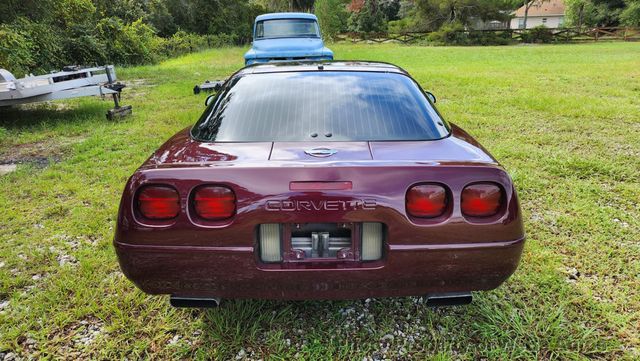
(449, 299)
(194, 302)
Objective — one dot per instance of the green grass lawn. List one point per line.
(564, 120)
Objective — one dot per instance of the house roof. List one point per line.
(543, 8)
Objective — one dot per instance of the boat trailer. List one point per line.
(71, 82)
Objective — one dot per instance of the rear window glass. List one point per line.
(320, 106)
(285, 28)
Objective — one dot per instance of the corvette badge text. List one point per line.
(320, 205)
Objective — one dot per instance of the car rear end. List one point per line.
(353, 233)
(339, 215)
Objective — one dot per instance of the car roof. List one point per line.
(306, 66)
(286, 16)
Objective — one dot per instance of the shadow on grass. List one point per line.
(325, 329)
(30, 116)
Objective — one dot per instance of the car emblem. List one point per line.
(321, 152)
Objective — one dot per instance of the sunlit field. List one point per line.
(563, 119)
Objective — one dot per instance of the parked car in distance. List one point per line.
(286, 36)
(328, 180)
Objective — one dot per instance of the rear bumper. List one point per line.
(234, 272)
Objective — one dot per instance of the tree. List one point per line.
(407, 8)
(600, 12)
(436, 13)
(390, 9)
(44, 35)
(286, 5)
(35, 10)
(126, 10)
(332, 16)
(631, 15)
(302, 5)
(159, 16)
(369, 19)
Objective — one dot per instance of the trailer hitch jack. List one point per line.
(118, 111)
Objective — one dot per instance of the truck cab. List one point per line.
(286, 37)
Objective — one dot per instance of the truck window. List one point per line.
(286, 28)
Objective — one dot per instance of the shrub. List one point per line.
(221, 40)
(83, 47)
(133, 43)
(450, 34)
(490, 37)
(44, 35)
(539, 34)
(183, 43)
(401, 26)
(46, 46)
(15, 50)
(68, 13)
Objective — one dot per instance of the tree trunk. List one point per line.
(526, 12)
(581, 15)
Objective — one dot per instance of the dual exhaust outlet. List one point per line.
(433, 300)
(194, 302)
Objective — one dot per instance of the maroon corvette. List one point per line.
(324, 180)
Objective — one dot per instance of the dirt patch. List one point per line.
(137, 83)
(40, 154)
(7, 168)
(136, 88)
(50, 105)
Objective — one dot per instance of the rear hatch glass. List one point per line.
(320, 106)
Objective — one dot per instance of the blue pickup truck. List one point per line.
(286, 37)
(280, 37)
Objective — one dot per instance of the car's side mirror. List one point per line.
(209, 99)
(430, 96)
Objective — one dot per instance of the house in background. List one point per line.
(478, 24)
(549, 13)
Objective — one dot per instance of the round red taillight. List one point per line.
(214, 202)
(158, 202)
(426, 200)
(481, 200)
